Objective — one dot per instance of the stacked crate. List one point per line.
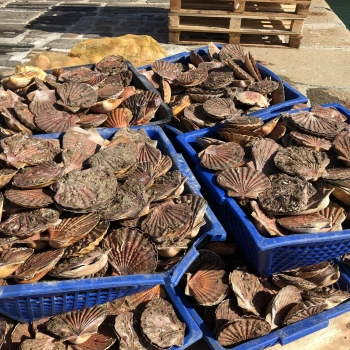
(258, 22)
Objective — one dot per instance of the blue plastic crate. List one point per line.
(30, 302)
(281, 336)
(292, 95)
(265, 255)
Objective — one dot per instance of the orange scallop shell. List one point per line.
(33, 198)
(118, 118)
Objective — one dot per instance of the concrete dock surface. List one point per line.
(320, 68)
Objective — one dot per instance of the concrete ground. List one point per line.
(320, 68)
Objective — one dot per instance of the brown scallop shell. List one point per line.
(208, 285)
(232, 52)
(166, 70)
(26, 224)
(106, 106)
(88, 242)
(12, 122)
(239, 138)
(336, 214)
(109, 91)
(195, 113)
(78, 74)
(77, 138)
(76, 327)
(240, 73)
(303, 310)
(253, 98)
(251, 67)
(20, 150)
(33, 198)
(148, 153)
(227, 311)
(243, 182)
(74, 96)
(163, 166)
(42, 101)
(42, 342)
(220, 108)
(137, 104)
(112, 64)
(37, 266)
(55, 121)
(24, 115)
(118, 118)
(74, 159)
(337, 176)
(131, 252)
(247, 327)
(165, 89)
(71, 229)
(329, 112)
(200, 95)
(161, 326)
(38, 176)
(12, 258)
(227, 155)
(19, 80)
(302, 161)
(264, 86)
(153, 78)
(144, 173)
(167, 222)
(244, 123)
(86, 190)
(91, 120)
(341, 145)
(192, 77)
(316, 143)
(6, 176)
(218, 80)
(281, 304)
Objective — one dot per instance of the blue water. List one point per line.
(342, 10)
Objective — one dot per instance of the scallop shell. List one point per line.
(278, 95)
(76, 326)
(85, 190)
(37, 266)
(118, 118)
(253, 98)
(19, 80)
(316, 143)
(264, 86)
(301, 161)
(144, 173)
(232, 52)
(281, 304)
(248, 327)
(153, 78)
(106, 106)
(227, 311)
(192, 77)
(220, 108)
(237, 137)
(200, 95)
(244, 123)
(251, 67)
(265, 225)
(20, 150)
(282, 280)
(26, 224)
(24, 115)
(34, 198)
(137, 104)
(6, 176)
(341, 145)
(147, 153)
(328, 112)
(218, 79)
(161, 326)
(119, 159)
(195, 58)
(71, 229)
(112, 64)
(25, 69)
(314, 125)
(241, 74)
(12, 258)
(55, 121)
(74, 96)
(204, 142)
(303, 310)
(131, 252)
(166, 70)
(43, 101)
(243, 182)
(336, 214)
(42, 342)
(167, 222)
(88, 242)
(180, 104)
(78, 74)
(208, 286)
(12, 122)
(195, 113)
(227, 155)
(80, 266)
(338, 177)
(332, 297)
(91, 120)
(107, 91)
(38, 176)
(165, 89)
(162, 167)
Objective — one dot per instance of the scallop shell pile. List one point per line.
(34, 102)
(90, 207)
(237, 305)
(291, 174)
(122, 324)
(222, 85)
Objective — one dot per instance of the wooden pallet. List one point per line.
(267, 23)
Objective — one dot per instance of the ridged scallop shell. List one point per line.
(240, 73)
(232, 52)
(38, 176)
(91, 120)
(301, 161)
(316, 143)
(195, 58)
(79, 74)
(112, 64)
(138, 300)
(239, 138)
(218, 79)
(25, 69)
(24, 115)
(278, 95)
(88, 242)
(42, 342)
(20, 150)
(192, 77)
(195, 113)
(165, 89)
(253, 98)
(227, 311)
(167, 221)
(303, 310)
(55, 121)
(180, 103)
(19, 80)
(153, 78)
(338, 177)
(163, 166)
(107, 91)
(71, 229)
(86, 190)
(244, 123)
(131, 252)
(220, 108)
(12, 122)
(34, 198)
(28, 223)
(137, 104)
(281, 304)
(75, 96)
(81, 266)
(314, 125)
(144, 173)
(336, 214)
(12, 258)
(166, 70)
(106, 105)
(76, 326)
(118, 118)
(161, 326)
(243, 182)
(227, 155)
(341, 145)
(200, 95)
(119, 159)
(264, 86)
(328, 112)
(208, 286)
(147, 153)
(43, 101)
(282, 280)
(6, 176)
(37, 266)
(248, 327)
